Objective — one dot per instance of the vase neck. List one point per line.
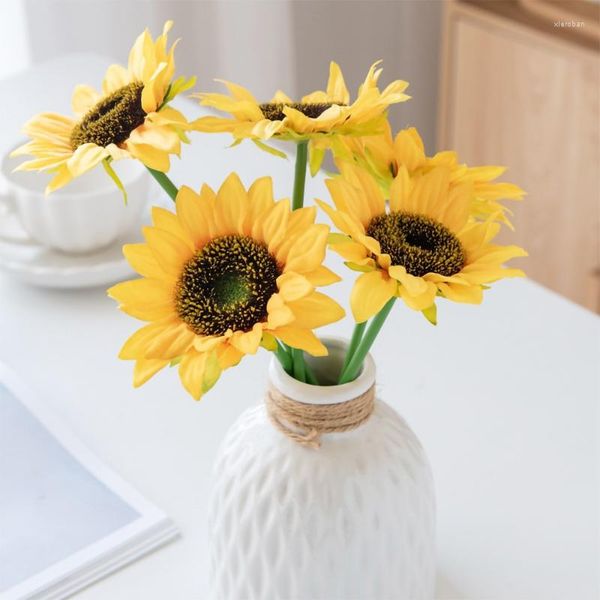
(306, 423)
(326, 367)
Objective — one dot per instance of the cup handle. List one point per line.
(8, 231)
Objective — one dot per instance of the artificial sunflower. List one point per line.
(129, 118)
(383, 155)
(420, 245)
(227, 273)
(317, 116)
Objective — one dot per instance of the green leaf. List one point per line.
(316, 159)
(114, 177)
(175, 361)
(268, 342)
(212, 372)
(431, 314)
(270, 149)
(181, 134)
(338, 238)
(356, 267)
(283, 356)
(181, 84)
(236, 142)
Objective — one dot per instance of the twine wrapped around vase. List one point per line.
(305, 423)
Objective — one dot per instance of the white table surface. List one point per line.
(503, 396)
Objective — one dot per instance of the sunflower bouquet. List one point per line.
(233, 270)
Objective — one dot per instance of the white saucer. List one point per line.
(47, 268)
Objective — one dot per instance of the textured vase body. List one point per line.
(353, 520)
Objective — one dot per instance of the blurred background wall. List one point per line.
(263, 44)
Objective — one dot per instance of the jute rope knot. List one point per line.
(305, 423)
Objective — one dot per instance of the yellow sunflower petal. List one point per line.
(418, 300)
(247, 342)
(237, 91)
(154, 89)
(315, 310)
(260, 201)
(315, 159)
(414, 285)
(49, 126)
(231, 206)
(472, 294)
(351, 251)
(84, 97)
(171, 342)
(213, 125)
(342, 220)
(145, 369)
(299, 221)
(168, 221)
(275, 224)
(145, 299)
(370, 293)
(336, 87)
(496, 254)
(170, 252)
(86, 157)
(136, 345)
(165, 340)
(209, 342)
(62, 177)
(429, 193)
(161, 137)
(366, 115)
(400, 190)
(408, 149)
(149, 155)
(279, 313)
(371, 193)
(116, 77)
(198, 372)
(303, 339)
(142, 260)
(348, 199)
(281, 97)
(193, 219)
(308, 251)
(489, 274)
(322, 276)
(293, 286)
(48, 163)
(228, 356)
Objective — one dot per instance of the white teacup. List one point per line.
(87, 214)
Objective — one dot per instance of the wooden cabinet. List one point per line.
(528, 98)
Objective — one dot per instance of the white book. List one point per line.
(66, 519)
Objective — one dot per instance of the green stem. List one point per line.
(299, 366)
(284, 354)
(351, 371)
(357, 334)
(164, 182)
(300, 174)
(284, 358)
(310, 376)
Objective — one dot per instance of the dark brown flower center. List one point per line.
(111, 120)
(274, 110)
(418, 243)
(227, 285)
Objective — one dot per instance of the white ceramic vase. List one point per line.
(353, 520)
